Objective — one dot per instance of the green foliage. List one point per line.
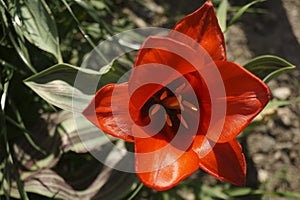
(222, 14)
(35, 22)
(56, 84)
(241, 11)
(268, 67)
(35, 136)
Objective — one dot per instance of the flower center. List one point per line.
(173, 104)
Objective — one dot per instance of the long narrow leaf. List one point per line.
(82, 31)
(108, 184)
(56, 85)
(78, 137)
(17, 39)
(268, 67)
(20, 124)
(222, 14)
(35, 20)
(69, 87)
(241, 11)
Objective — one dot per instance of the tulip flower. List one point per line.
(172, 120)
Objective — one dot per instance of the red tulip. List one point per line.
(173, 120)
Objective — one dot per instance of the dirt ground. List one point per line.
(273, 150)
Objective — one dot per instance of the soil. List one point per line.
(273, 148)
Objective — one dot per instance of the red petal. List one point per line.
(114, 120)
(150, 66)
(161, 165)
(202, 25)
(246, 96)
(224, 161)
(204, 102)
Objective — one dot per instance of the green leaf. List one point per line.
(37, 23)
(99, 4)
(32, 159)
(71, 88)
(275, 104)
(268, 67)
(87, 6)
(237, 192)
(56, 85)
(91, 180)
(78, 137)
(136, 191)
(216, 192)
(287, 194)
(241, 11)
(21, 126)
(82, 31)
(17, 40)
(222, 14)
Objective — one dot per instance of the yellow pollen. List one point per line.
(189, 105)
(180, 88)
(163, 95)
(171, 102)
(168, 120)
(155, 109)
(182, 121)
